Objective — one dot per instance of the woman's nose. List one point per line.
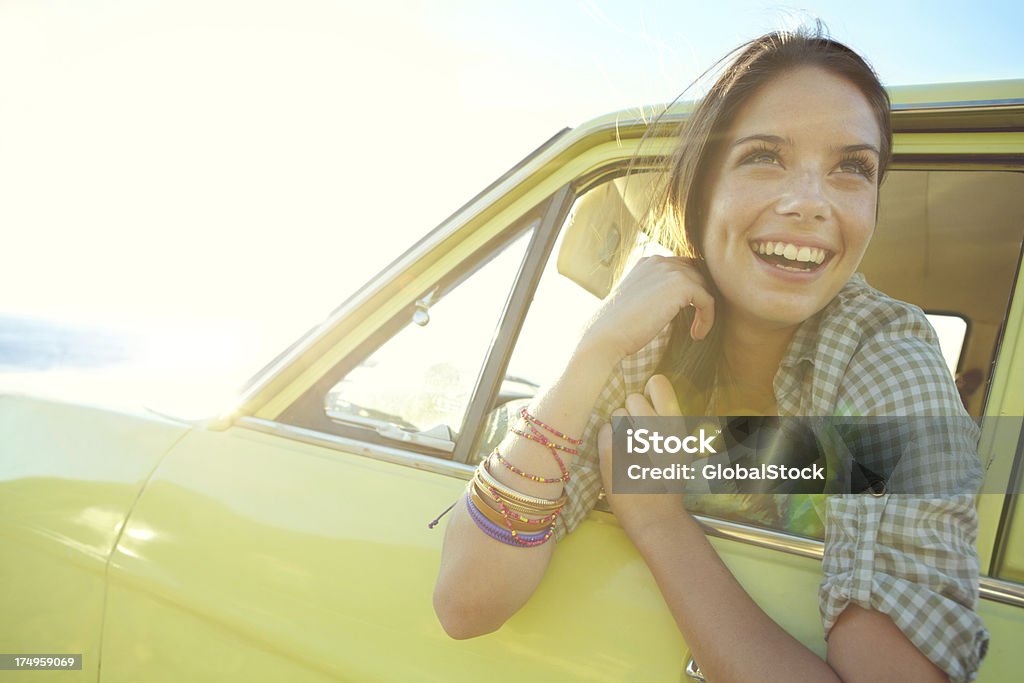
(804, 198)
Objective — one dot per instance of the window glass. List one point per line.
(949, 241)
(422, 378)
(952, 331)
(575, 280)
(1009, 564)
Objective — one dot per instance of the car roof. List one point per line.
(995, 97)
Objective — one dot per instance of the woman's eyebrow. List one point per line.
(779, 140)
(761, 137)
(846, 149)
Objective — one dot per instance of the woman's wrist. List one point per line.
(597, 356)
(666, 528)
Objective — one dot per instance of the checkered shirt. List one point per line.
(909, 556)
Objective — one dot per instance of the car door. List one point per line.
(289, 539)
(297, 548)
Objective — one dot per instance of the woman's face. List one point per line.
(792, 203)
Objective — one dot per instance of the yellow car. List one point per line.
(287, 540)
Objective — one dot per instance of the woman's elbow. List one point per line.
(461, 620)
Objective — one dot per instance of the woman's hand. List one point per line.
(641, 513)
(647, 300)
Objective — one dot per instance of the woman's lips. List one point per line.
(790, 257)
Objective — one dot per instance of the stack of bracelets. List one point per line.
(520, 520)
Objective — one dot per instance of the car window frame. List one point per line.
(307, 411)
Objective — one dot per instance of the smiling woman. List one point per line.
(768, 206)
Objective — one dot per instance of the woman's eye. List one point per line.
(859, 166)
(763, 156)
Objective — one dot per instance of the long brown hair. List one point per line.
(680, 205)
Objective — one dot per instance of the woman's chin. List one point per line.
(778, 311)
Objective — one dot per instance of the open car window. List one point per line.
(415, 388)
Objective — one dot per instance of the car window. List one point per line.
(949, 241)
(416, 386)
(1008, 557)
(565, 294)
(952, 332)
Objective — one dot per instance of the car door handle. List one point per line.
(693, 671)
(438, 438)
(430, 439)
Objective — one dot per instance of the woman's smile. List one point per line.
(790, 255)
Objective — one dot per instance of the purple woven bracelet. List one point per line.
(525, 540)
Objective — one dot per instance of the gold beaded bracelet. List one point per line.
(507, 505)
(499, 517)
(540, 504)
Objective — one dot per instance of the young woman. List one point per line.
(770, 203)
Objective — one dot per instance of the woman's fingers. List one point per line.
(604, 454)
(645, 301)
(662, 396)
(696, 294)
(638, 406)
(604, 440)
(658, 399)
(704, 313)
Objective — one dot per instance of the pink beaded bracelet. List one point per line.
(525, 414)
(536, 435)
(505, 536)
(533, 477)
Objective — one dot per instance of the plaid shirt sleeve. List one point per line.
(584, 487)
(914, 560)
(911, 556)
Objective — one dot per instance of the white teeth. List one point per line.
(791, 252)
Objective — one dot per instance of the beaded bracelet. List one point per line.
(498, 517)
(488, 525)
(541, 504)
(514, 505)
(509, 510)
(538, 436)
(507, 504)
(484, 492)
(507, 537)
(533, 477)
(525, 414)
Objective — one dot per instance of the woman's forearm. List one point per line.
(482, 582)
(715, 614)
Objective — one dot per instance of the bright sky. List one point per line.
(233, 169)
